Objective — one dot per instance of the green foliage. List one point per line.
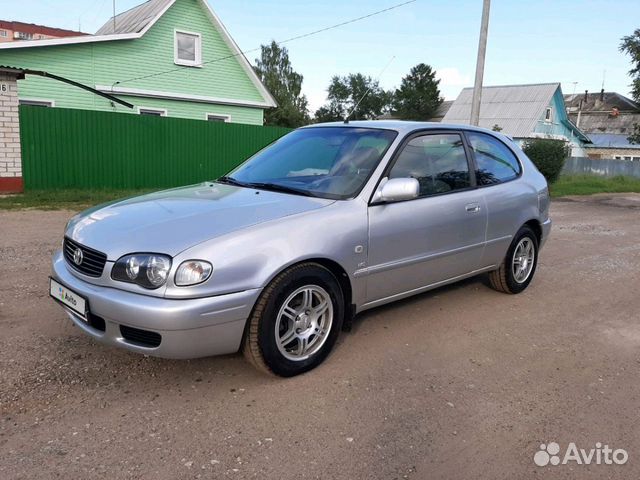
(496, 128)
(274, 69)
(418, 97)
(631, 46)
(590, 184)
(635, 136)
(548, 155)
(344, 93)
(64, 199)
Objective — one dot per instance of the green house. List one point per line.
(167, 57)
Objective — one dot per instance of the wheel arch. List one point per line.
(536, 226)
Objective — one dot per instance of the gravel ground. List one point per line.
(461, 382)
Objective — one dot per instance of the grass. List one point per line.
(81, 199)
(63, 199)
(590, 184)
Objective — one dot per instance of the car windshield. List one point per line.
(327, 162)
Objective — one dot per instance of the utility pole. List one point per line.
(482, 50)
(114, 16)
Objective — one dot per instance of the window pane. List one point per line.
(186, 47)
(438, 162)
(495, 162)
(331, 162)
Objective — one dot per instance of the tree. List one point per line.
(548, 155)
(631, 46)
(274, 69)
(344, 93)
(418, 97)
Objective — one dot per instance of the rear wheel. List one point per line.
(519, 265)
(296, 321)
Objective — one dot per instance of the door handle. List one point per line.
(472, 207)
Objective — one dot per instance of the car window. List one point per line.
(330, 162)
(437, 161)
(494, 161)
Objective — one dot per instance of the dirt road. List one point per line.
(462, 382)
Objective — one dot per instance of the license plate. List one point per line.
(68, 298)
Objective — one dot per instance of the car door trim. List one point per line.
(383, 267)
(409, 293)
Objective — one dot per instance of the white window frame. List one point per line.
(4, 33)
(187, 63)
(161, 111)
(548, 113)
(38, 102)
(222, 116)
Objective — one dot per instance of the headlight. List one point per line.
(193, 272)
(149, 270)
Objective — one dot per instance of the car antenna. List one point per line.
(346, 119)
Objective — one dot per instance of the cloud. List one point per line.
(451, 77)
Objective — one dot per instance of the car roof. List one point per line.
(402, 126)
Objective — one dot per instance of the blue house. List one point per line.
(522, 112)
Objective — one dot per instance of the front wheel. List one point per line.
(519, 265)
(296, 321)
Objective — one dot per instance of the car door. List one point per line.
(497, 171)
(433, 238)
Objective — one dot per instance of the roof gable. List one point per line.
(515, 108)
(136, 19)
(139, 23)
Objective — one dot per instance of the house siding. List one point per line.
(107, 63)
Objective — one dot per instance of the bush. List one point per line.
(548, 155)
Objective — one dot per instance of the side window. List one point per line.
(437, 161)
(495, 163)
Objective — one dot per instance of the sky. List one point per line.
(574, 42)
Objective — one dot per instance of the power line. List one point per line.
(298, 37)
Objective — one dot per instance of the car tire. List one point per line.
(289, 317)
(519, 265)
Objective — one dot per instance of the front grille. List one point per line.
(92, 261)
(143, 338)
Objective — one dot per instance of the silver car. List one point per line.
(277, 257)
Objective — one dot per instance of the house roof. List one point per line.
(136, 19)
(515, 108)
(611, 140)
(41, 29)
(135, 29)
(600, 101)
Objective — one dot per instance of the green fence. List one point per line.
(64, 148)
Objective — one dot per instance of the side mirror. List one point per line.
(397, 190)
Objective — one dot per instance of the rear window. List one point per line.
(495, 162)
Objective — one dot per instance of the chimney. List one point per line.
(586, 96)
(602, 95)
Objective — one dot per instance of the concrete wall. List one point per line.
(10, 158)
(603, 167)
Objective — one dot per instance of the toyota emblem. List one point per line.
(78, 257)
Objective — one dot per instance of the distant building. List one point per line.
(522, 112)
(169, 58)
(608, 119)
(16, 31)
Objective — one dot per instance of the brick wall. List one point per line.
(10, 158)
(594, 152)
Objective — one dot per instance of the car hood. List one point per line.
(174, 220)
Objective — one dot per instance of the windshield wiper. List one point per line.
(231, 181)
(274, 187)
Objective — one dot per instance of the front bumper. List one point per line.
(189, 328)
(546, 230)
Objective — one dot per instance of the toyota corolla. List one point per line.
(276, 257)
